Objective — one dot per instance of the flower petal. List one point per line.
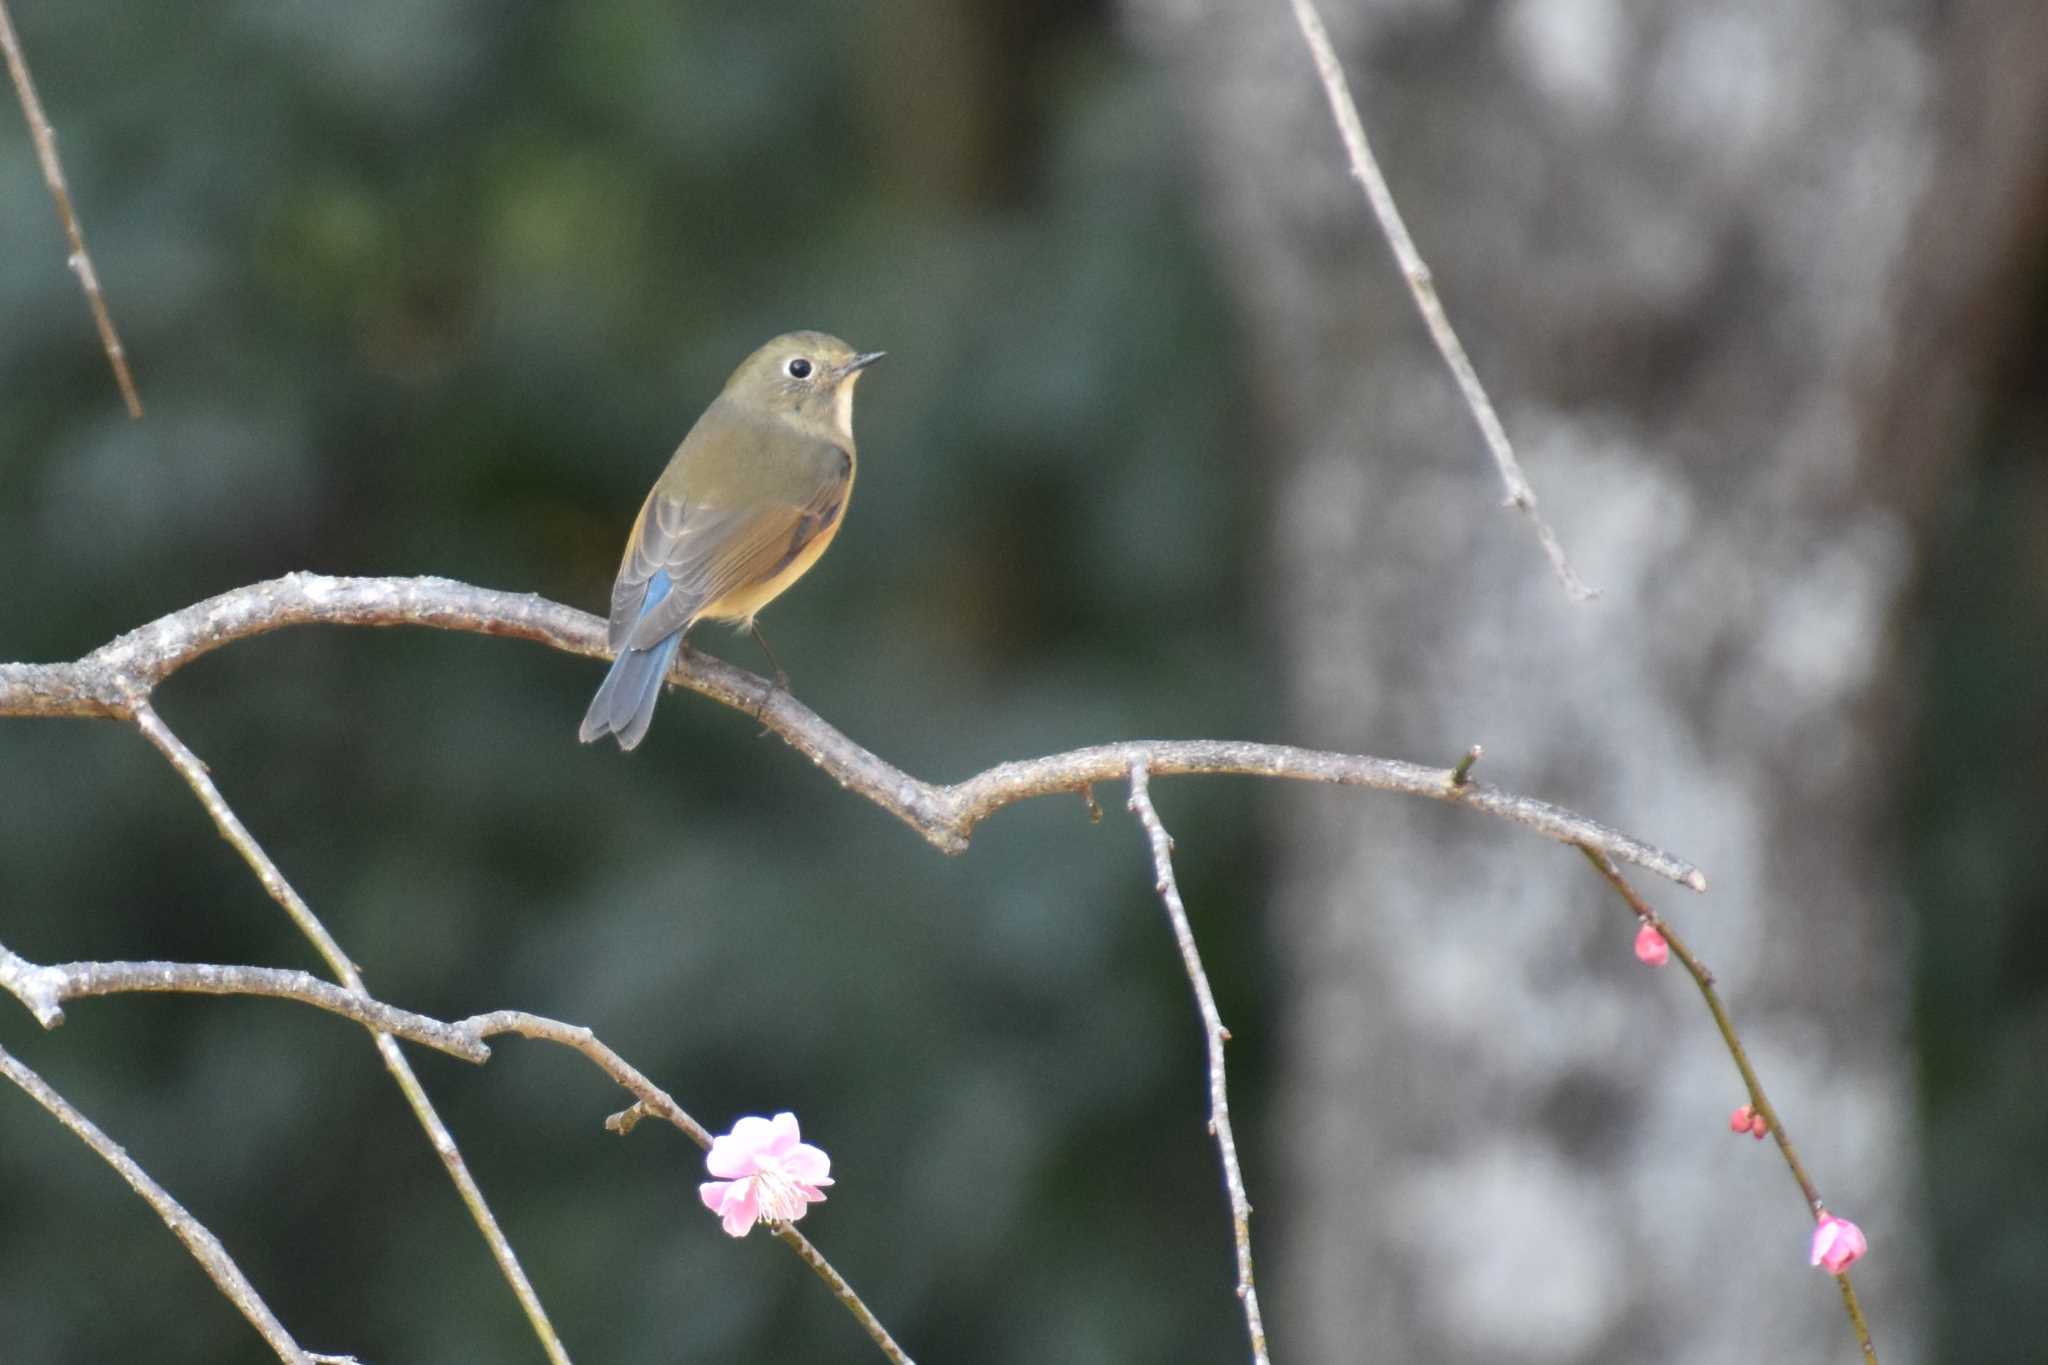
(738, 1208)
(783, 1134)
(753, 1132)
(808, 1164)
(729, 1158)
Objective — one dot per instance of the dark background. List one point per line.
(433, 288)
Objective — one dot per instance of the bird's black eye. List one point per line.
(799, 368)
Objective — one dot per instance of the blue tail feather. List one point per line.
(624, 704)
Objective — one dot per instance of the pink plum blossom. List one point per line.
(1651, 947)
(1837, 1243)
(766, 1175)
(1738, 1122)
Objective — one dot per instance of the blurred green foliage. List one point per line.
(434, 287)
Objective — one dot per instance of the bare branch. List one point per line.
(649, 1097)
(206, 1248)
(841, 1290)
(45, 138)
(116, 680)
(39, 989)
(43, 989)
(1704, 979)
(1215, 1036)
(237, 834)
(1344, 109)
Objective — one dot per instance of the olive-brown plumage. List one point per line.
(746, 505)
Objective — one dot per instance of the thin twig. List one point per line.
(841, 1290)
(1730, 1039)
(206, 1248)
(45, 138)
(43, 989)
(117, 678)
(1215, 1035)
(1420, 284)
(648, 1096)
(237, 834)
(651, 1099)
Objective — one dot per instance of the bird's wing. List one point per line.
(707, 551)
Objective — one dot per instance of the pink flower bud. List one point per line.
(1738, 1122)
(1651, 947)
(1837, 1244)
(1759, 1127)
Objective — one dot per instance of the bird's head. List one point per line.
(808, 376)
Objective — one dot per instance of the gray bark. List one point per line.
(1676, 239)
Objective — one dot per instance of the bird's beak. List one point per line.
(860, 362)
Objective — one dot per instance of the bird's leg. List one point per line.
(781, 683)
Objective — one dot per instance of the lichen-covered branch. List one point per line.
(1422, 287)
(1214, 1035)
(649, 1098)
(43, 990)
(206, 1248)
(45, 139)
(280, 890)
(117, 679)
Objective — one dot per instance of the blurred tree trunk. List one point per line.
(1681, 243)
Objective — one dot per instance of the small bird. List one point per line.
(748, 502)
